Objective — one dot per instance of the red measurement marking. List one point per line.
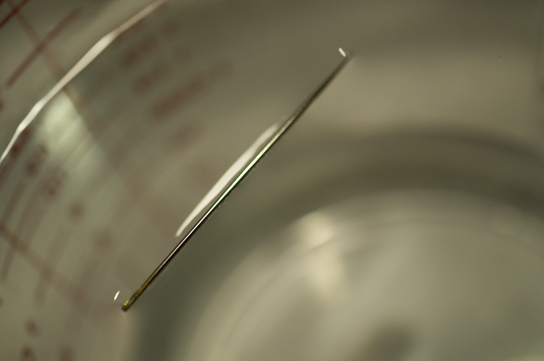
(42, 45)
(150, 78)
(76, 210)
(52, 257)
(54, 185)
(12, 202)
(134, 54)
(203, 173)
(18, 147)
(28, 213)
(13, 12)
(50, 61)
(20, 143)
(5, 168)
(183, 138)
(103, 241)
(47, 271)
(32, 328)
(31, 211)
(179, 97)
(79, 298)
(49, 190)
(27, 354)
(36, 160)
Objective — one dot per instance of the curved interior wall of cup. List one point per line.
(427, 232)
(433, 138)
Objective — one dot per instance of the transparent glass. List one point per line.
(400, 218)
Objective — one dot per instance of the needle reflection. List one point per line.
(324, 266)
(229, 181)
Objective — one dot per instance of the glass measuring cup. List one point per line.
(189, 79)
(55, 139)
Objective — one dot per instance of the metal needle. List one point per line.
(238, 177)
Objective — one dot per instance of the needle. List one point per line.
(236, 174)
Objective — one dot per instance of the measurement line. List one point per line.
(6, 215)
(93, 52)
(5, 168)
(33, 210)
(47, 271)
(29, 212)
(49, 60)
(13, 12)
(18, 147)
(52, 257)
(12, 202)
(85, 278)
(42, 47)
